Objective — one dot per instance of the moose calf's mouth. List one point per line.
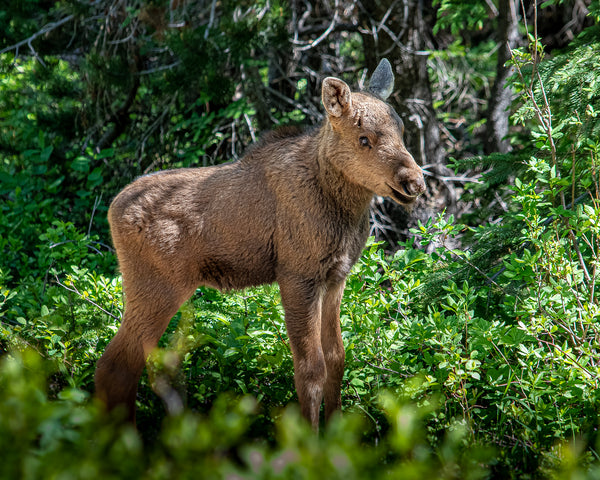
(402, 195)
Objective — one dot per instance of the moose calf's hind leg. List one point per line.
(119, 369)
(118, 372)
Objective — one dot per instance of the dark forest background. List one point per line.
(470, 323)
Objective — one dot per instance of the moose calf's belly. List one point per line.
(228, 267)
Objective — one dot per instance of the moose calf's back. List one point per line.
(235, 225)
(293, 210)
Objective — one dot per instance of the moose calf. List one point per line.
(293, 210)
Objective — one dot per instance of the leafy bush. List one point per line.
(68, 438)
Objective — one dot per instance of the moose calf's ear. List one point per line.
(382, 80)
(335, 95)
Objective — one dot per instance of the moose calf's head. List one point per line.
(366, 138)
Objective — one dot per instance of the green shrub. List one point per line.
(69, 438)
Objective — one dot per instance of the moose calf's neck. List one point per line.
(350, 199)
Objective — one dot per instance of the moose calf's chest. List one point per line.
(338, 267)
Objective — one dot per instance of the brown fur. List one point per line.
(293, 210)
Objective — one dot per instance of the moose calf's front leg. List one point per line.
(302, 304)
(333, 347)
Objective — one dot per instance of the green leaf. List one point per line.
(81, 164)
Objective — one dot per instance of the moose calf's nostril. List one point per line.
(416, 186)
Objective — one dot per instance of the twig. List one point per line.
(510, 382)
(324, 35)
(233, 140)
(386, 15)
(288, 100)
(96, 203)
(250, 127)
(58, 244)
(385, 369)
(159, 69)
(401, 46)
(150, 130)
(278, 333)
(76, 292)
(492, 7)
(462, 179)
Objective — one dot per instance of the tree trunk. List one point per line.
(501, 97)
(399, 31)
(402, 32)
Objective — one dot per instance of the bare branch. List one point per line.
(47, 28)
(211, 19)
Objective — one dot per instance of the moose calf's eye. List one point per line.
(364, 141)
